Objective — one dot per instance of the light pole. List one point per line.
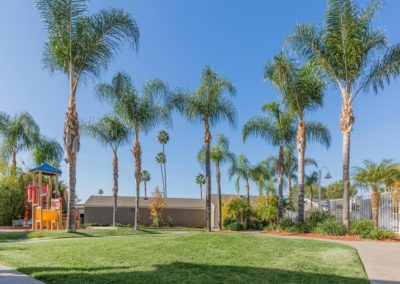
(327, 176)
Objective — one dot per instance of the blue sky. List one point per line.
(178, 38)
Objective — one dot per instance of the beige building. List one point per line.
(182, 211)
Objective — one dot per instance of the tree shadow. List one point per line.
(183, 272)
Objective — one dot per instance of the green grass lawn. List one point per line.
(184, 257)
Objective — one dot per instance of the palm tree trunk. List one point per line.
(201, 191)
(311, 195)
(14, 161)
(207, 141)
(289, 180)
(301, 149)
(145, 190)
(218, 175)
(375, 207)
(71, 144)
(165, 174)
(137, 155)
(280, 182)
(247, 191)
(346, 126)
(115, 187)
(162, 179)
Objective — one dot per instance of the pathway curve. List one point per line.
(11, 276)
(381, 260)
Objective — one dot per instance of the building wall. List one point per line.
(125, 216)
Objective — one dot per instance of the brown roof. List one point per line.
(126, 201)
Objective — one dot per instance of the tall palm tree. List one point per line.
(219, 154)
(289, 167)
(81, 46)
(111, 132)
(278, 128)
(47, 150)
(201, 180)
(161, 159)
(146, 177)
(140, 112)
(311, 181)
(208, 105)
(348, 50)
(302, 90)
(19, 132)
(242, 169)
(377, 176)
(163, 138)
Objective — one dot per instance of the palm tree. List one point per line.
(242, 169)
(140, 112)
(201, 180)
(277, 127)
(161, 159)
(377, 176)
(219, 154)
(260, 174)
(163, 138)
(289, 167)
(208, 105)
(19, 132)
(302, 90)
(47, 150)
(145, 179)
(81, 46)
(347, 49)
(111, 132)
(311, 181)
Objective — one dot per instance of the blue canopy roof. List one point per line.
(47, 169)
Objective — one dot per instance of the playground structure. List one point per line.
(47, 212)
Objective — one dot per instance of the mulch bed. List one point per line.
(319, 236)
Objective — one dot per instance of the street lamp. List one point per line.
(327, 176)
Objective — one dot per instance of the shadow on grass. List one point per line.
(182, 272)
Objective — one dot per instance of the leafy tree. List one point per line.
(241, 168)
(377, 176)
(157, 206)
(146, 177)
(334, 190)
(163, 138)
(140, 112)
(302, 90)
(219, 154)
(100, 192)
(208, 105)
(276, 127)
(47, 150)
(201, 180)
(348, 49)
(19, 132)
(111, 132)
(81, 46)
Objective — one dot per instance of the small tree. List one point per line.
(157, 206)
(100, 192)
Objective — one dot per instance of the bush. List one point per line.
(330, 227)
(317, 217)
(382, 235)
(234, 225)
(265, 209)
(285, 224)
(236, 210)
(363, 228)
(12, 199)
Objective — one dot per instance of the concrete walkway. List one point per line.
(381, 260)
(11, 276)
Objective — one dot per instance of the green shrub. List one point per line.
(236, 210)
(234, 225)
(382, 235)
(363, 228)
(285, 224)
(265, 209)
(330, 227)
(302, 227)
(12, 199)
(317, 217)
